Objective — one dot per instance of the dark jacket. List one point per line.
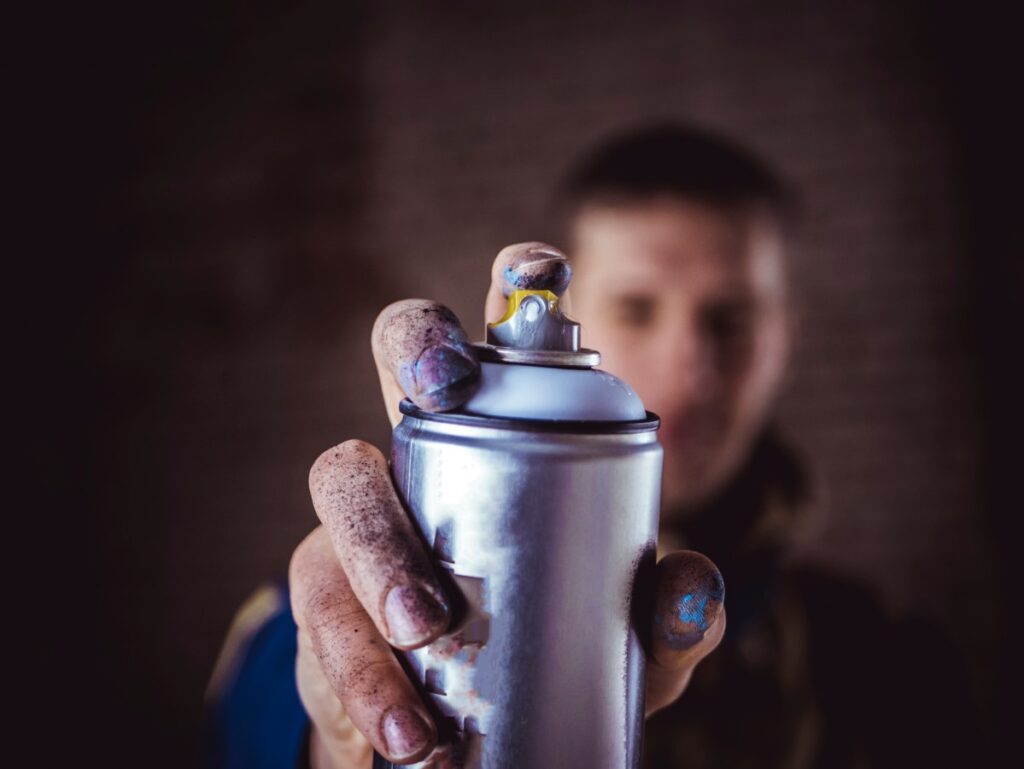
(813, 671)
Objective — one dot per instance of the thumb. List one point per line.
(688, 623)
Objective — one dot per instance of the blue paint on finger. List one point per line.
(682, 620)
(690, 609)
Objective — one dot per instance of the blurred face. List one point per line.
(687, 303)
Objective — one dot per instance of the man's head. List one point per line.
(678, 241)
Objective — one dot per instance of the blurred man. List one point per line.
(677, 241)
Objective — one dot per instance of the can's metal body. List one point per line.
(545, 528)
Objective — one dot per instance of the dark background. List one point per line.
(233, 191)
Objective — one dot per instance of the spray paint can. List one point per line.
(539, 499)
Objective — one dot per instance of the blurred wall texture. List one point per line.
(290, 170)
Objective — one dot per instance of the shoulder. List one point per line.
(253, 716)
(262, 616)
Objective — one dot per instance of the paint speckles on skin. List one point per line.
(690, 608)
(374, 539)
(691, 595)
(534, 266)
(442, 376)
(425, 347)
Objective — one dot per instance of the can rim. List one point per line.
(576, 426)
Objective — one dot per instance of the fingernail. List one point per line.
(406, 733)
(539, 270)
(413, 615)
(685, 621)
(444, 376)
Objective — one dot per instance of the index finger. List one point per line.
(422, 351)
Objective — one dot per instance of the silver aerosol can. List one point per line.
(539, 499)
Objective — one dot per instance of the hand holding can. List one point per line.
(369, 581)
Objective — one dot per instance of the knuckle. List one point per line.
(326, 603)
(323, 602)
(331, 633)
(360, 678)
(321, 610)
(333, 463)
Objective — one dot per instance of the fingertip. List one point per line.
(443, 377)
(324, 474)
(690, 601)
(415, 616)
(427, 352)
(408, 734)
(532, 266)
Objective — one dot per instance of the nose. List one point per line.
(686, 373)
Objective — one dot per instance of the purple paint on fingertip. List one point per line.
(442, 377)
(538, 271)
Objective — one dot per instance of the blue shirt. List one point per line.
(253, 717)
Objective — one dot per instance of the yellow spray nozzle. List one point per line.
(535, 332)
(516, 298)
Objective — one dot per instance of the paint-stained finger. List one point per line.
(362, 671)
(688, 623)
(532, 265)
(334, 738)
(422, 352)
(377, 546)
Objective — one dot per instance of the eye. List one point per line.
(634, 311)
(728, 321)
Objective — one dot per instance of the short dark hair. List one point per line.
(675, 159)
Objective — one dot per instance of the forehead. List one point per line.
(673, 241)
